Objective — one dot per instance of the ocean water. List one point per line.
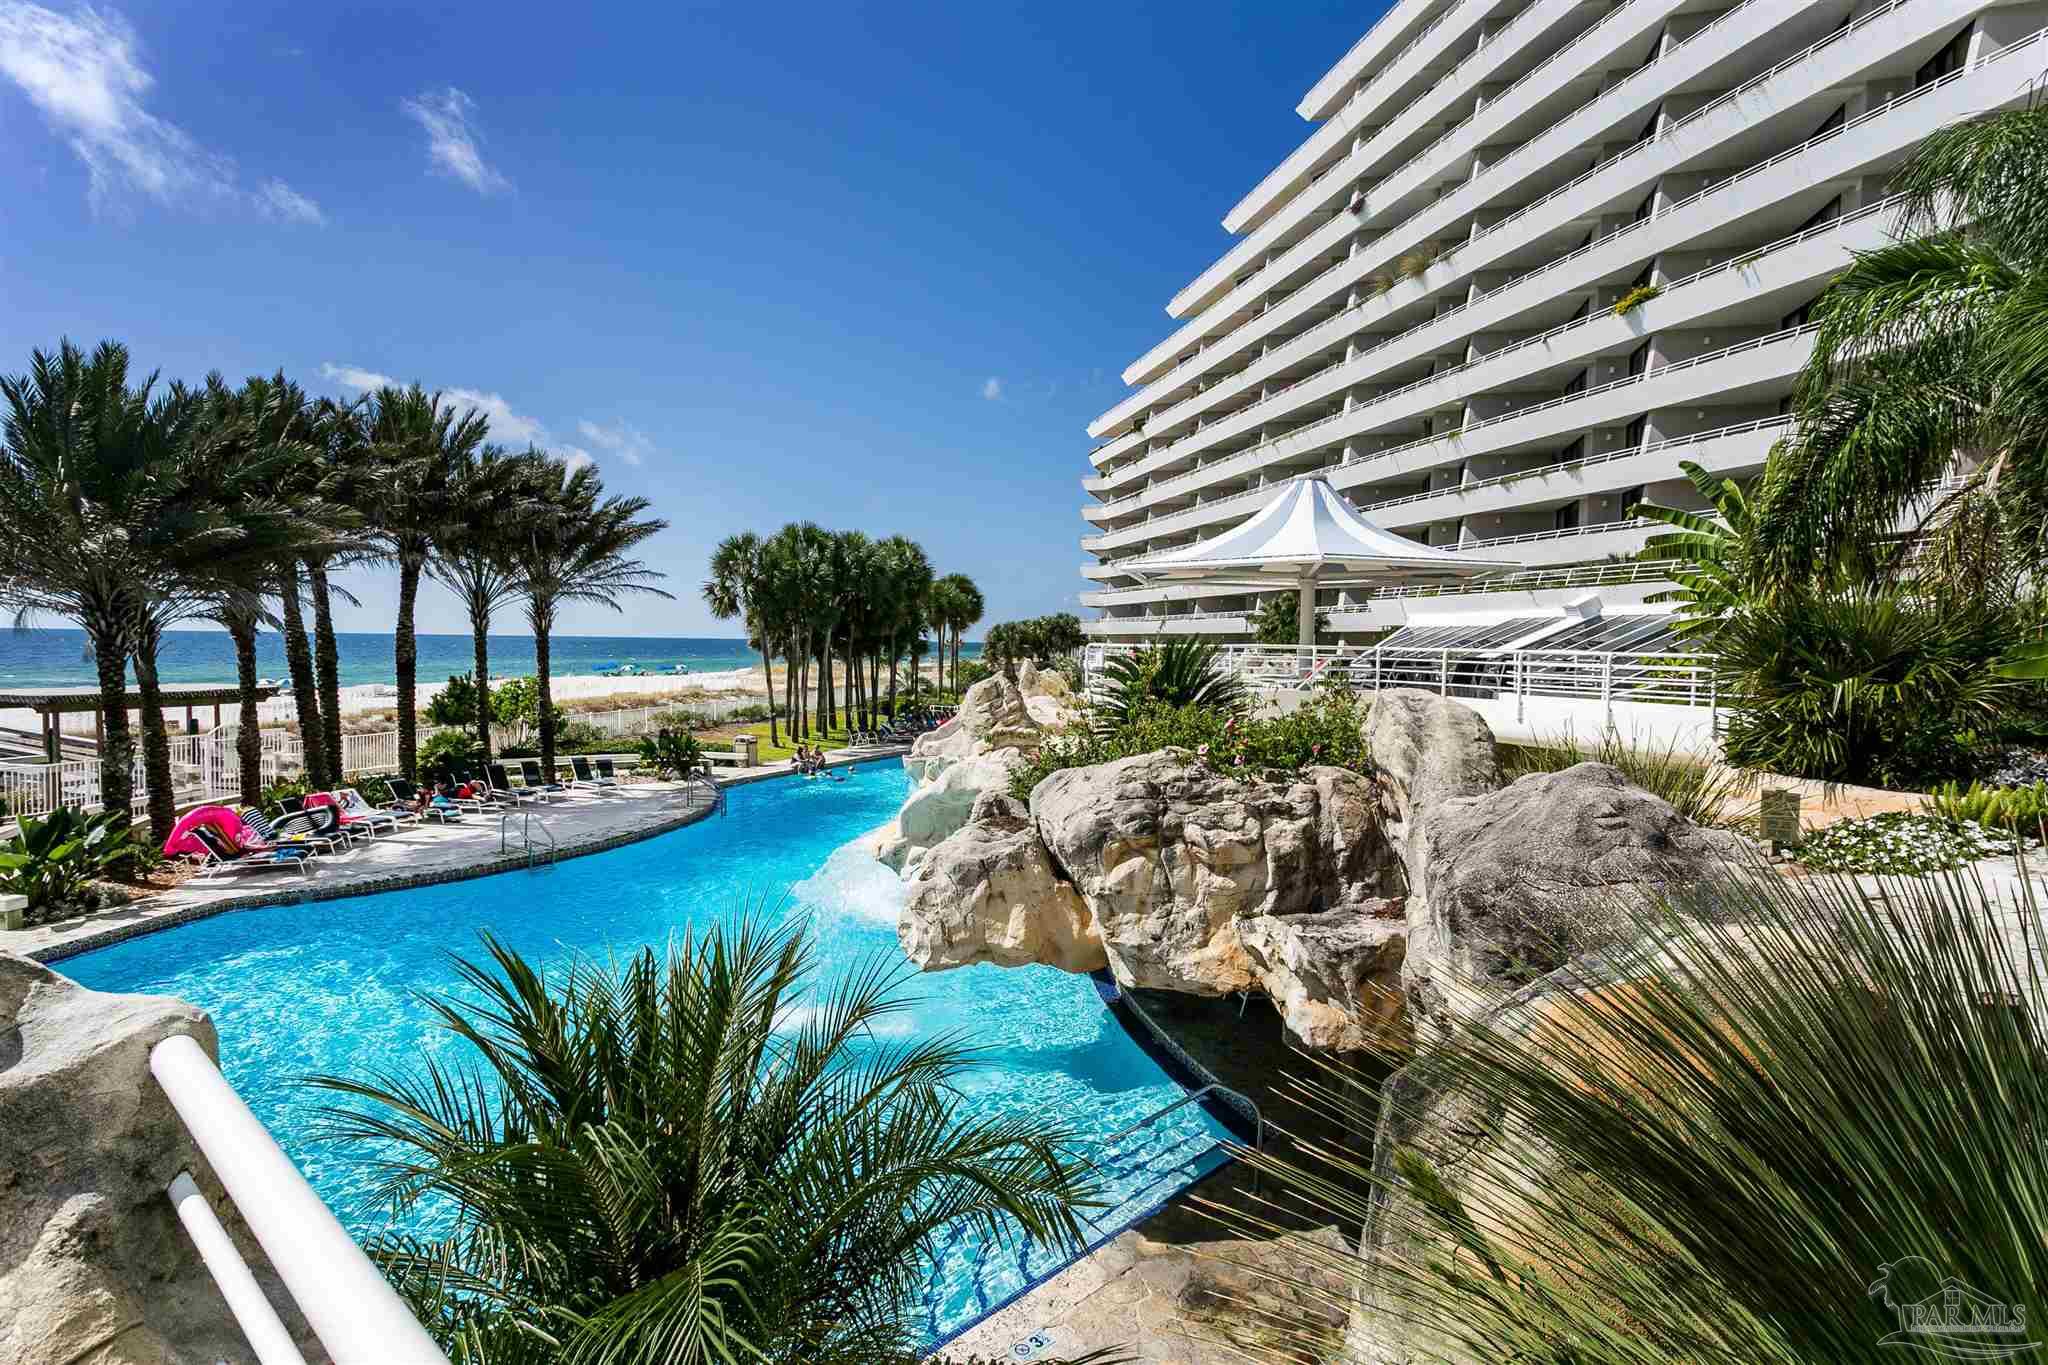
(60, 658)
(335, 986)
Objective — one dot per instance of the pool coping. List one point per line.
(405, 881)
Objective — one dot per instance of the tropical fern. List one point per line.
(1179, 671)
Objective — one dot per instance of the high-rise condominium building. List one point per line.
(1534, 254)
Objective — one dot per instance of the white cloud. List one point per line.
(992, 388)
(451, 142)
(576, 457)
(279, 200)
(507, 426)
(350, 377)
(83, 72)
(621, 439)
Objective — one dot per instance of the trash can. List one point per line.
(749, 747)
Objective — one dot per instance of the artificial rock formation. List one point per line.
(1172, 858)
(999, 726)
(990, 894)
(94, 1265)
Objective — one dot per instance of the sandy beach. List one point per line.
(370, 699)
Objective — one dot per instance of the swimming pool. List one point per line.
(329, 987)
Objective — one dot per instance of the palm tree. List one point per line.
(1718, 551)
(339, 477)
(942, 604)
(419, 442)
(573, 549)
(738, 587)
(474, 553)
(298, 663)
(646, 1161)
(243, 611)
(909, 572)
(800, 554)
(76, 486)
(1930, 348)
(965, 607)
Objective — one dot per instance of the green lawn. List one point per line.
(775, 753)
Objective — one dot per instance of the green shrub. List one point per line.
(516, 701)
(1278, 622)
(1704, 793)
(274, 792)
(1181, 671)
(1326, 730)
(1635, 298)
(454, 704)
(448, 746)
(1877, 687)
(671, 754)
(1041, 639)
(55, 861)
(973, 671)
(2019, 810)
(372, 788)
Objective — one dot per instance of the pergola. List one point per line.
(1308, 537)
(49, 703)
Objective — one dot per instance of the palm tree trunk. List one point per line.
(768, 685)
(249, 725)
(406, 652)
(117, 743)
(956, 657)
(156, 742)
(298, 658)
(327, 661)
(543, 624)
(480, 640)
(828, 701)
(893, 653)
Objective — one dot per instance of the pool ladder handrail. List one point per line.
(1215, 1087)
(527, 818)
(711, 785)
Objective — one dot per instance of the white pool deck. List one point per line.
(414, 855)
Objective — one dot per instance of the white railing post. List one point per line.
(253, 1312)
(350, 1306)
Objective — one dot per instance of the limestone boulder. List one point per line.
(1172, 858)
(94, 1265)
(1516, 883)
(1429, 749)
(993, 711)
(989, 893)
(1334, 975)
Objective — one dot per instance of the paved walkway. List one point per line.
(415, 855)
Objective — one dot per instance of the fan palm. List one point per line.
(474, 552)
(1179, 671)
(419, 443)
(800, 558)
(964, 607)
(648, 1161)
(909, 571)
(573, 548)
(738, 587)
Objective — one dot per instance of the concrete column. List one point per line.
(1307, 613)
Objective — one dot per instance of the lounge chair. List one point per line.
(605, 773)
(481, 797)
(586, 778)
(355, 807)
(407, 793)
(368, 825)
(292, 829)
(223, 855)
(530, 773)
(322, 822)
(501, 786)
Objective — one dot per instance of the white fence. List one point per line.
(1526, 694)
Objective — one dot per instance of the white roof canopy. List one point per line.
(1308, 534)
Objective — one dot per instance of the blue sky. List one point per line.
(872, 264)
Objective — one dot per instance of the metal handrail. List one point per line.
(1214, 1087)
(344, 1299)
(527, 816)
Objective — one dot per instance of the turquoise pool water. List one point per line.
(330, 987)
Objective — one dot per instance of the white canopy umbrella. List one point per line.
(1307, 537)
